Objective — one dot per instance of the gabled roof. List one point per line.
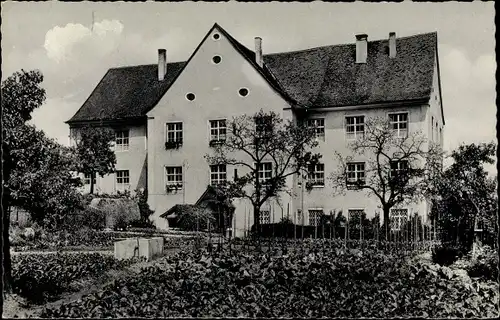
(319, 77)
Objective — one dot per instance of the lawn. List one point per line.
(315, 281)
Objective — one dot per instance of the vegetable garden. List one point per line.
(317, 279)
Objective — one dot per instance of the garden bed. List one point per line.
(331, 281)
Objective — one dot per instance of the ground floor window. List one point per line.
(315, 217)
(265, 217)
(122, 180)
(398, 218)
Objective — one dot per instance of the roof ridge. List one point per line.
(143, 65)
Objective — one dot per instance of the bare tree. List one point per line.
(395, 167)
(269, 151)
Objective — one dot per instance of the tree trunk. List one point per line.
(92, 177)
(256, 223)
(387, 224)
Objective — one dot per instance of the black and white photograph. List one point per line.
(249, 160)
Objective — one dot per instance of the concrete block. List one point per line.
(126, 249)
(139, 247)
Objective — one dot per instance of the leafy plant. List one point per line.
(445, 255)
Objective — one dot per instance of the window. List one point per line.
(264, 217)
(399, 124)
(121, 140)
(265, 171)
(355, 126)
(216, 36)
(355, 174)
(243, 92)
(190, 96)
(122, 180)
(319, 126)
(86, 179)
(398, 167)
(355, 215)
(217, 131)
(317, 174)
(174, 135)
(398, 218)
(217, 174)
(216, 59)
(263, 125)
(315, 217)
(173, 179)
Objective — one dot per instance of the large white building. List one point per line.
(190, 102)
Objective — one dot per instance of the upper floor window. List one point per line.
(264, 171)
(319, 126)
(218, 131)
(174, 135)
(86, 179)
(173, 178)
(263, 125)
(121, 140)
(354, 126)
(218, 174)
(355, 174)
(317, 174)
(398, 167)
(122, 180)
(398, 218)
(399, 124)
(315, 217)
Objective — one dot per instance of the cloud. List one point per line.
(72, 41)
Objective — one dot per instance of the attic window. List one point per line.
(190, 96)
(243, 92)
(216, 36)
(216, 59)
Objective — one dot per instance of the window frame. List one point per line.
(355, 134)
(263, 218)
(175, 130)
(122, 186)
(319, 129)
(398, 169)
(352, 184)
(317, 217)
(312, 176)
(398, 130)
(86, 180)
(399, 218)
(218, 173)
(122, 146)
(266, 128)
(175, 184)
(264, 180)
(218, 138)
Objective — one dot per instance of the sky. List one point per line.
(73, 53)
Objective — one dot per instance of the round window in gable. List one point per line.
(216, 36)
(190, 96)
(216, 59)
(243, 92)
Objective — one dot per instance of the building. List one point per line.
(187, 103)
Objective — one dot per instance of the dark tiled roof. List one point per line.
(127, 92)
(329, 76)
(319, 77)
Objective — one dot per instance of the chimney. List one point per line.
(361, 48)
(258, 51)
(392, 44)
(162, 64)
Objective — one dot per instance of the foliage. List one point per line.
(93, 147)
(485, 265)
(384, 150)
(445, 255)
(467, 196)
(259, 139)
(39, 277)
(317, 282)
(194, 218)
(142, 201)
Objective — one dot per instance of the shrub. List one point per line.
(485, 266)
(141, 223)
(445, 255)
